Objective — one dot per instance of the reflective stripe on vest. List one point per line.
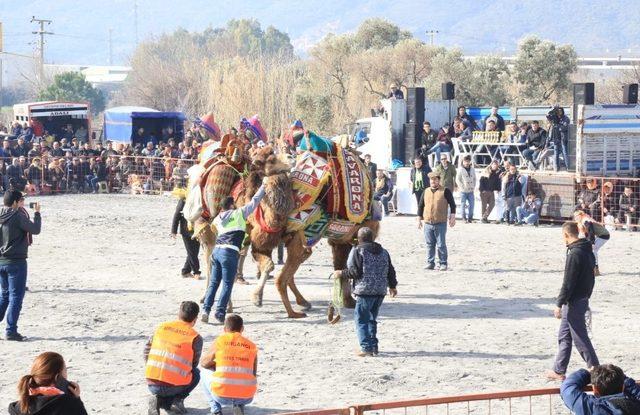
(170, 359)
(235, 222)
(235, 360)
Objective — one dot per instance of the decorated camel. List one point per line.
(328, 194)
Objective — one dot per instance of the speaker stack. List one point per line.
(583, 94)
(448, 91)
(413, 128)
(630, 94)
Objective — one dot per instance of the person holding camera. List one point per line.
(559, 135)
(16, 229)
(46, 390)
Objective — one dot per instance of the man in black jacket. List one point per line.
(369, 267)
(536, 140)
(15, 229)
(191, 266)
(573, 302)
(419, 177)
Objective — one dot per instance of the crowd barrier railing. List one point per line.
(82, 174)
(532, 402)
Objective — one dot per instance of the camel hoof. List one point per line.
(297, 315)
(305, 306)
(257, 300)
(332, 318)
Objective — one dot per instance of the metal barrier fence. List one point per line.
(532, 402)
(85, 174)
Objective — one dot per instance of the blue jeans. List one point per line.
(439, 148)
(565, 156)
(13, 282)
(526, 217)
(513, 203)
(385, 203)
(365, 314)
(224, 264)
(464, 199)
(94, 184)
(167, 394)
(216, 402)
(435, 235)
(531, 156)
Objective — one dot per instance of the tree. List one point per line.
(487, 82)
(543, 70)
(72, 86)
(378, 33)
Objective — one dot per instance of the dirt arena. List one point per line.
(105, 272)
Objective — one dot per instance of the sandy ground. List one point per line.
(104, 273)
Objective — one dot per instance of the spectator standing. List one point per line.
(46, 390)
(21, 149)
(529, 211)
(489, 184)
(35, 174)
(559, 135)
(57, 151)
(383, 190)
(419, 177)
(496, 118)
(466, 182)
(613, 392)
(512, 191)
(231, 224)
(17, 231)
(15, 175)
(370, 269)
(191, 267)
(149, 150)
(594, 232)
(436, 208)
(171, 361)
(536, 141)
(372, 167)
(466, 118)
(447, 172)
(230, 369)
(589, 198)
(179, 175)
(628, 207)
(395, 92)
(573, 302)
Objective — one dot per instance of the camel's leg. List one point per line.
(207, 250)
(300, 300)
(340, 254)
(297, 252)
(265, 266)
(239, 272)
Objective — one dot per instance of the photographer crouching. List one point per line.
(16, 230)
(559, 135)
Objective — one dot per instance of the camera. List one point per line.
(552, 116)
(32, 205)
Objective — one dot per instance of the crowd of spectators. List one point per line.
(37, 165)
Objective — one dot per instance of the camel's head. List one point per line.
(264, 159)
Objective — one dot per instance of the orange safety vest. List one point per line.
(235, 359)
(171, 355)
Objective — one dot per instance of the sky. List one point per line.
(81, 28)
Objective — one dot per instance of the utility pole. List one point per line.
(41, 32)
(135, 20)
(110, 47)
(431, 34)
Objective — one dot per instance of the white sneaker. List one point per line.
(442, 267)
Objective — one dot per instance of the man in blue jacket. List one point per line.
(613, 392)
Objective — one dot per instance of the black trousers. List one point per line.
(573, 331)
(192, 264)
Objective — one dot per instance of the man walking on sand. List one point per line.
(369, 267)
(573, 302)
(436, 208)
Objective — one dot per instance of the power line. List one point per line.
(41, 33)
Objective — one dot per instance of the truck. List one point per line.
(54, 117)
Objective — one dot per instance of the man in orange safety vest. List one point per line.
(172, 355)
(229, 368)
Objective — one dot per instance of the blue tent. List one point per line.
(121, 123)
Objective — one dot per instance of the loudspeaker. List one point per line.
(412, 140)
(448, 91)
(630, 94)
(415, 105)
(583, 94)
